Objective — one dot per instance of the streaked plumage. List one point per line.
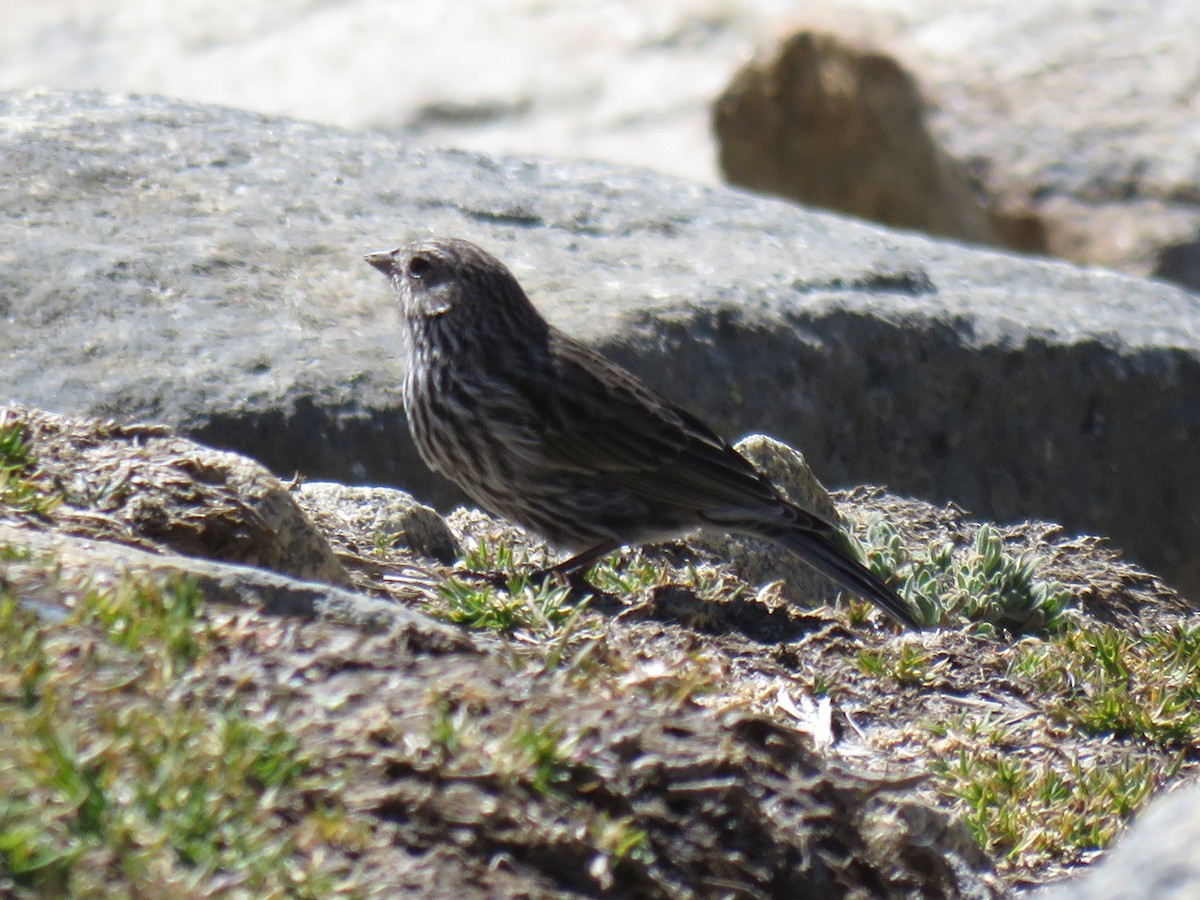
(536, 427)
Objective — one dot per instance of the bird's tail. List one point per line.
(821, 551)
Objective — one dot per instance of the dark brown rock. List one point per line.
(829, 124)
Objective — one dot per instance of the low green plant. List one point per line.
(628, 576)
(907, 664)
(21, 488)
(982, 583)
(489, 557)
(542, 755)
(533, 755)
(1038, 809)
(115, 779)
(1108, 680)
(621, 840)
(540, 607)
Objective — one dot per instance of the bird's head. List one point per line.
(454, 279)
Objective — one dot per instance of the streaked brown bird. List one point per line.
(536, 427)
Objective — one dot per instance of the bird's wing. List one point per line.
(604, 421)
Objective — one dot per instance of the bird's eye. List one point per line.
(418, 267)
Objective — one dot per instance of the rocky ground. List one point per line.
(672, 731)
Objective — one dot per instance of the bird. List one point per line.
(540, 429)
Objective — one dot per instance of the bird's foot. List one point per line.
(574, 579)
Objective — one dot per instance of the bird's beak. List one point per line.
(381, 260)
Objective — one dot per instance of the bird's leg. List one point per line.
(574, 569)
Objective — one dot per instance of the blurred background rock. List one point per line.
(1067, 128)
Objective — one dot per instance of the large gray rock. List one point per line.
(201, 267)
